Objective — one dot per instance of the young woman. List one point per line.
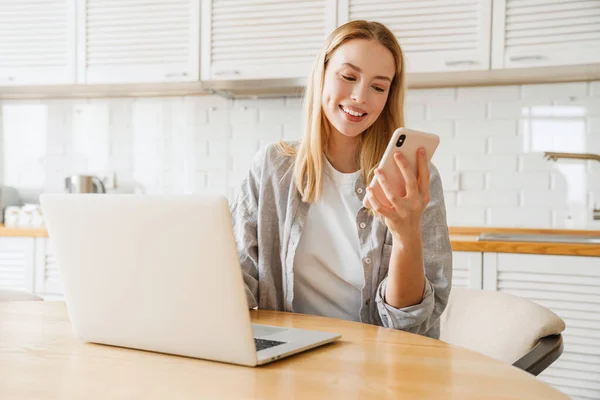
(306, 243)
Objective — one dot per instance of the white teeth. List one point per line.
(352, 112)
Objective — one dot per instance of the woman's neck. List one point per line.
(342, 152)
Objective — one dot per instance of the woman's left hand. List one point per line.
(403, 218)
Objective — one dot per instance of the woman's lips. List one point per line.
(352, 118)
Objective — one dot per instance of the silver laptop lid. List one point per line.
(158, 273)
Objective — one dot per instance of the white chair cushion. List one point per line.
(17, 295)
(496, 324)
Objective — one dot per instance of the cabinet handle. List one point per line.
(221, 73)
(525, 58)
(461, 62)
(175, 74)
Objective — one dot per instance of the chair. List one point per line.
(505, 327)
(17, 295)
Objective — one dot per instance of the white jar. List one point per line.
(25, 217)
(12, 215)
(37, 218)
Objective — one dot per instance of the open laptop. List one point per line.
(161, 273)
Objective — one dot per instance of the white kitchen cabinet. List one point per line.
(37, 42)
(435, 36)
(256, 39)
(569, 286)
(545, 33)
(130, 41)
(17, 263)
(467, 269)
(29, 264)
(48, 283)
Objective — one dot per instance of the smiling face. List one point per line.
(357, 82)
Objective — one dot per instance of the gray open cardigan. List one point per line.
(268, 216)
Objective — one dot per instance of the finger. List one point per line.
(423, 177)
(366, 202)
(410, 181)
(393, 194)
(377, 206)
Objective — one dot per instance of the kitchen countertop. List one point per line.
(465, 239)
(22, 232)
(462, 238)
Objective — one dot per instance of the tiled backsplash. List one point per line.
(490, 155)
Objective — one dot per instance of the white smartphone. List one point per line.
(407, 142)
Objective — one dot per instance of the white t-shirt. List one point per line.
(328, 272)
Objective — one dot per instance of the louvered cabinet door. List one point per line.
(48, 283)
(467, 269)
(37, 42)
(16, 263)
(569, 286)
(435, 36)
(260, 39)
(130, 41)
(530, 33)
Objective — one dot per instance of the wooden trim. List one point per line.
(564, 249)
(23, 232)
(474, 231)
(463, 239)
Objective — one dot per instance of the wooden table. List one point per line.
(40, 359)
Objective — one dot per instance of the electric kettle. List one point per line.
(84, 184)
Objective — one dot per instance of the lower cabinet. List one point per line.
(467, 269)
(29, 264)
(570, 287)
(567, 285)
(17, 263)
(48, 283)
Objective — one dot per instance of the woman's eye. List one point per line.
(348, 78)
(378, 89)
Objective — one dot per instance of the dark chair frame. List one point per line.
(545, 352)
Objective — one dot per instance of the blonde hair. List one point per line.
(308, 163)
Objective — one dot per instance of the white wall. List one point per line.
(492, 142)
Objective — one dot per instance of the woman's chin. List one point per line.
(349, 131)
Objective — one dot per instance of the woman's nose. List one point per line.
(359, 93)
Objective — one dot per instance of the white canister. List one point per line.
(11, 216)
(37, 218)
(25, 217)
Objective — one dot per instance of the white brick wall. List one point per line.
(492, 138)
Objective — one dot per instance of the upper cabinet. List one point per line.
(37, 42)
(129, 41)
(539, 33)
(44, 42)
(255, 39)
(434, 35)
